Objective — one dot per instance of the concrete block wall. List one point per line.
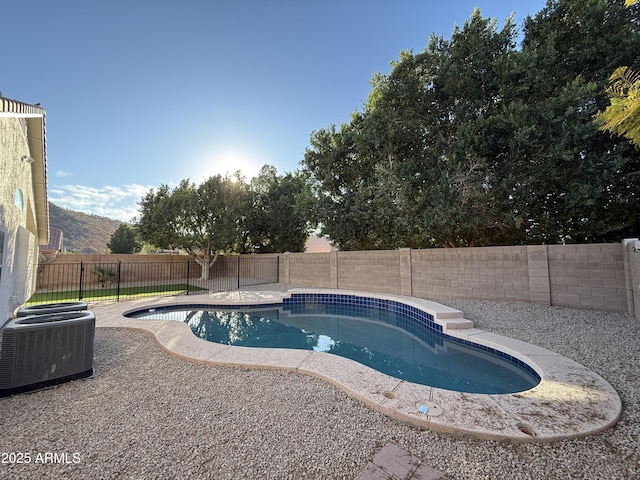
(258, 268)
(538, 273)
(375, 270)
(603, 277)
(313, 269)
(589, 277)
(484, 273)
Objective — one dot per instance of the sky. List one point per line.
(141, 93)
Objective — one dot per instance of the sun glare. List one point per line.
(227, 162)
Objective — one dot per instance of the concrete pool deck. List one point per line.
(570, 401)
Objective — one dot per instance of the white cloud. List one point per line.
(62, 173)
(118, 202)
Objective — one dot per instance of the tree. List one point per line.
(124, 240)
(467, 87)
(571, 181)
(473, 142)
(203, 220)
(349, 205)
(278, 218)
(622, 116)
(414, 168)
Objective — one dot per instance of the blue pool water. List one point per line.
(388, 341)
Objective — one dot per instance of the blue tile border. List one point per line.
(392, 306)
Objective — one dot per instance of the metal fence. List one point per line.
(94, 282)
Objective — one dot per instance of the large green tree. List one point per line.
(415, 167)
(355, 203)
(124, 240)
(570, 180)
(467, 79)
(277, 219)
(475, 142)
(203, 220)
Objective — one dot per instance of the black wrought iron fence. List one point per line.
(61, 282)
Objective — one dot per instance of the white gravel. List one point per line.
(148, 415)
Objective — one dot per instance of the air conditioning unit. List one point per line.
(47, 308)
(43, 350)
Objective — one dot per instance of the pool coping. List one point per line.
(570, 401)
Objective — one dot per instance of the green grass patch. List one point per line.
(98, 294)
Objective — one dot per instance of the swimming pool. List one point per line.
(394, 338)
(570, 400)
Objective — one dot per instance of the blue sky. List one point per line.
(144, 92)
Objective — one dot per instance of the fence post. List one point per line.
(406, 287)
(631, 256)
(538, 272)
(333, 269)
(81, 280)
(238, 287)
(118, 282)
(187, 280)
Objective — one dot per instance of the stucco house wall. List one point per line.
(23, 207)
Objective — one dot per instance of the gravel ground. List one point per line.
(148, 415)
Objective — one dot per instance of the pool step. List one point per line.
(454, 324)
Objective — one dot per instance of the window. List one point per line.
(19, 200)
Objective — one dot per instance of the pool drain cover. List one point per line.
(389, 394)
(429, 408)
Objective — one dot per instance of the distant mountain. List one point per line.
(83, 233)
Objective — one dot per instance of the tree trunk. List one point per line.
(205, 262)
